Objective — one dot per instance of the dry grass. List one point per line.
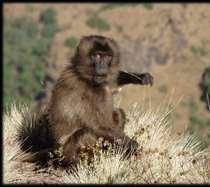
(162, 156)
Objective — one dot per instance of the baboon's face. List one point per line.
(98, 60)
(101, 62)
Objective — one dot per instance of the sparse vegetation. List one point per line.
(30, 8)
(205, 87)
(199, 50)
(97, 22)
(48, 16)
(49, 22)
(148, 6)
(71, 42)
(206, 81)
(198, 123)
(26, 45)
(163, 89)
(110, 6)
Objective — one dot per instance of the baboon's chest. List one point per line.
(89, 106)
(98, 106)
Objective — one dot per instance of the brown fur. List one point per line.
(79, 112)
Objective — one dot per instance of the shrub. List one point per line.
(49, 31)
(148, 6)
(71, 42)
(199, 50)
(110, 6)
(24, 52)
(205, 87)
(48, 16)
(206, 80)
(198, 123)
(98, 23)
(49, 21)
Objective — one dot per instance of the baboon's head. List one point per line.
(97, 60)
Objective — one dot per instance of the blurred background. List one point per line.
(171, 41)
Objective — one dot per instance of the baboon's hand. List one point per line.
(146, 79)
(134, 78)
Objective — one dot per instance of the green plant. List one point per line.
(48, 16)
(148, 6)
(205, 87)
(110, 6)
(200, 50)
(198, 123)
(49, 21)
(206, 80)
(71, 42)
(30, 8)
(98, 23)
(193, 106)
(49, 31)
(24, 51)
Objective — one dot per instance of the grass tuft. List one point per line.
(162, 157)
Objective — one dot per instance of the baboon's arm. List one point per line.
(134, 78)
(119, 118)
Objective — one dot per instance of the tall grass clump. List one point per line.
(162, 156)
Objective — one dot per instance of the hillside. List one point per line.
(171, 41)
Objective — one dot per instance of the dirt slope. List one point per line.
(161, 38)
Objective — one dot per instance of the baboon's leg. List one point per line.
(119, 139)
(88, 137)
(82, 137)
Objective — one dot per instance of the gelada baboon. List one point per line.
(81, 106)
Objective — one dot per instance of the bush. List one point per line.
(49, 21)
(198, 123)
(199, 50)
(205, 87)
(98, 23)
(110, 6)
(48, 17)
(206, 80)
(49, 31)
(71, 42)
(148, 6)
(24, 52)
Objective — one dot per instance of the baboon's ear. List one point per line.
(134, 78)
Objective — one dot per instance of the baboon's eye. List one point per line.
(96, 56)
(108, 59)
